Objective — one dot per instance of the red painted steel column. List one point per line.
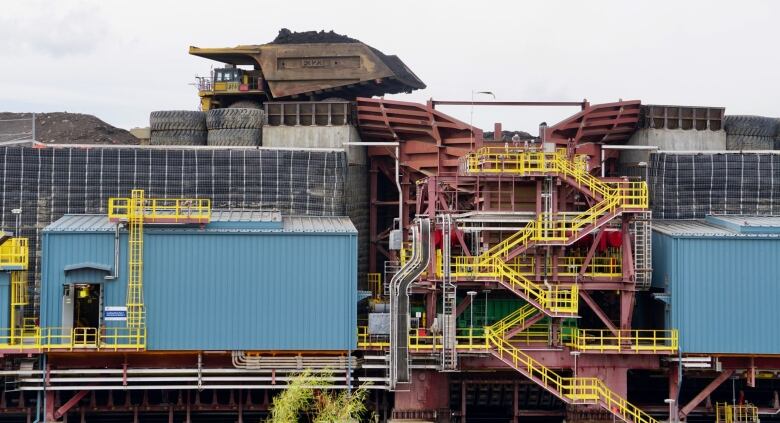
(372, 218)
(50, 404)
(674, 386)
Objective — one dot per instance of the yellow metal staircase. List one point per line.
(553, 301)
(548, 228)
(573, 390)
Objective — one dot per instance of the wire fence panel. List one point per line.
(691, 186)
(50, 182)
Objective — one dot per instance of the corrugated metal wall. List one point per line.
(225, 290)
(725, 292)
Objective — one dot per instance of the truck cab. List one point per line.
(229, 85)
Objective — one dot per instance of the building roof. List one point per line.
(721, 226)
(226, 221)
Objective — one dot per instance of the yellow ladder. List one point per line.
(135, 287)
(19, 299)
(573, 390)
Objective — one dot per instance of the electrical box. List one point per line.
(379, 323)
(396, 238)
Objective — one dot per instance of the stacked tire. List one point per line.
(745, 132)
(234, 127)
(177, 127)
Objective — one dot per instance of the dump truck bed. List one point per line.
(344, 68)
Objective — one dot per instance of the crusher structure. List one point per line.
(526, 223)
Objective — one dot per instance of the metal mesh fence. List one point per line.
(50, 182)
(691, 186)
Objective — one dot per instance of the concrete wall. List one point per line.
(673, 140)
(316, 137)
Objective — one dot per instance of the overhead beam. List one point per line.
(722, 377)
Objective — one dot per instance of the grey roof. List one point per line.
(241, 221)
(318, 224)
(703, 228)
(767, 222)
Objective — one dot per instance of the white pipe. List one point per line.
(630, 147)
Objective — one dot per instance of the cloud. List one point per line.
(57, 30)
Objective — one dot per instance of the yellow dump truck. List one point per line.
(300, 66)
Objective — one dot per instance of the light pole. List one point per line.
(670, 401)
(471, 117)
(471, 295)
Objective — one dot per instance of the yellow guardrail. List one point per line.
(556, 300)
(599, 266)
(637, 340)
(167, 210)
(735, 413)
(375, 285)
(420, 340)
(14, 254)
(61, 338)
(572, 389)
(514, 319)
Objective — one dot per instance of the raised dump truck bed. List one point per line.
(312, 65)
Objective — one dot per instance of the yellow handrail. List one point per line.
(571, 389)
(556, 299)
(14, 254)
(735, 413)
(163, 210)
(637, 340)
(38, 338)
(375, 285)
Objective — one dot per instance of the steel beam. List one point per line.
(435, 103)
(722, 377)
(599, 312)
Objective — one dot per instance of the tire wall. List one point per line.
(747, 132)
(356, 204)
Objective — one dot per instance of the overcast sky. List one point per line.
(121, 60)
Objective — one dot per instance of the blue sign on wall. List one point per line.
(115, 313)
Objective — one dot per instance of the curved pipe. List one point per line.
(399, 302)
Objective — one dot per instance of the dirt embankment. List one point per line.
(62, 128)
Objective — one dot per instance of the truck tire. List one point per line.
(169, 120)
(234, 137)
(758, 126)
(245, 104)
(234, 119)
(178, 137)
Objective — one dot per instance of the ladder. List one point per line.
(643, 252)
(449, 357)
(135, 288)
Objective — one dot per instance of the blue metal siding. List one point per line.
(725, 292)
(225, 290)
(5, 300)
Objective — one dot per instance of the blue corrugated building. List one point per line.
(245, 281)
(721, 279)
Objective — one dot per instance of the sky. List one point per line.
(120, 60)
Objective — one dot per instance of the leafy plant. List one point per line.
(309, 394)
